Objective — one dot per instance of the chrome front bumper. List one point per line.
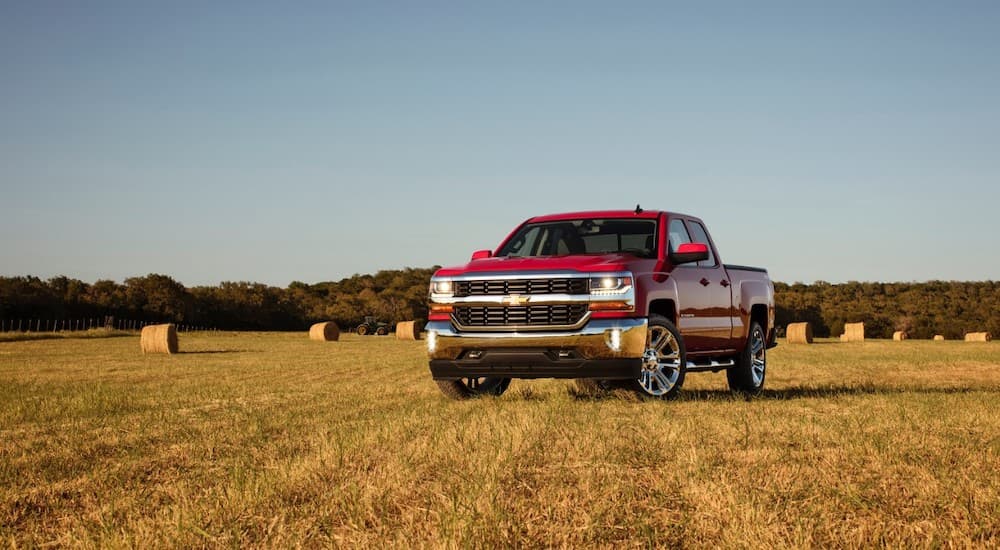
(598, 339)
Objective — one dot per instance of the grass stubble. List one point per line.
(269, 439)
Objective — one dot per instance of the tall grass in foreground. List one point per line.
(276, 440)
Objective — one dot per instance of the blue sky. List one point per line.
(276, 142)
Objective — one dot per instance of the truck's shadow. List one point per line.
(778, 394)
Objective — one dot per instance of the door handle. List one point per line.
(724, 283)
(704, 281)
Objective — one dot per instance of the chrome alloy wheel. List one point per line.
(758, 356)
(661, 362)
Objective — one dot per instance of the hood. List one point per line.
(580, 263)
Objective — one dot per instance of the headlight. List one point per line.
(443, 287)
(609, 284)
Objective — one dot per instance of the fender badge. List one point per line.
(515, 300)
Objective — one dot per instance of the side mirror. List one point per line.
(689, 252)
(482, 254)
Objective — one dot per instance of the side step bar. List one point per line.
(713, 366)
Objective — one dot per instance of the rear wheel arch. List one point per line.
(759, 313)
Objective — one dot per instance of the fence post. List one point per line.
(19, 325)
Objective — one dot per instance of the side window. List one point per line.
(678, 234)
(701, 236)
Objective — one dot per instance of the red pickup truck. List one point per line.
(610, 298)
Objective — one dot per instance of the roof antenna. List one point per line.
(638, 209)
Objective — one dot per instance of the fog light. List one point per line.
(614, 339)
(432, 341)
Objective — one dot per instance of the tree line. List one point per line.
(951, 308)
(395, 295)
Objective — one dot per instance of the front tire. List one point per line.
(467, 388)
(381, 331)
(664, 363)
(747, 377)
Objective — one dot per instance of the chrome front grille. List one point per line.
(522, 286)
(534, 316)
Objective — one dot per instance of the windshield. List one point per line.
(590, 236)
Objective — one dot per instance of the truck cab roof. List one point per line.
(645, 214)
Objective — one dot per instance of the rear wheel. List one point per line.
(664, 362)
(747, 377)
(362, 330)
(467, 388)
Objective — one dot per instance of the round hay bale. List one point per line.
(899, 336)
(978, 337)
(324, 332)
(799, 333)
(407, 330)
(159, 339)
(939, 337)
(855, 332)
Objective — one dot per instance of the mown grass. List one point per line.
(274, 440)
(91, 333)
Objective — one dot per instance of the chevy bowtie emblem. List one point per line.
(516, 300)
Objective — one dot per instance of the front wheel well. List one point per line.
(666, 308)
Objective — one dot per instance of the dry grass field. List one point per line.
(278, 441)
